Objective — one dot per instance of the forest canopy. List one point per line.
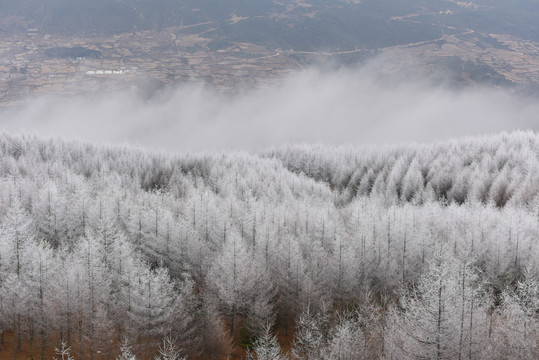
(298, 252)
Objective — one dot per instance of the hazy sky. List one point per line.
(332, 107)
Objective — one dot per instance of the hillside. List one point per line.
(325, 248)
(300, 25)
(110, 45)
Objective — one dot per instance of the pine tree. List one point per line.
(346, 340)
(126, 353)
(433, 322)
(266, 347)
(64, 351)
(169, 351)
(311, 335)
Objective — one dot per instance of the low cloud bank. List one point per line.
(333, 107)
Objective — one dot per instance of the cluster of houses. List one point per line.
(109, 72)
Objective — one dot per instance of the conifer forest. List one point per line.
(420, 251)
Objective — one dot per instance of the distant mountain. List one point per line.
(297, 25)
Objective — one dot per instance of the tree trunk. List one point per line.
(439, 323)
(462, 310)
(471, 329)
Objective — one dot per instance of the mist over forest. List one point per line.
(346, 106)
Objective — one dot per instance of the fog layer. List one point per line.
(331, 107)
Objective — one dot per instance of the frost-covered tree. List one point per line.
(152, 298)
(347, 340)
(266, 347)
(63, 351)
(16, 264)
(515, 328)
(241, 285)
(169, 351)
(126, 352)
(211, 338)
(442, 317)
(94, 327)
(311, 335)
